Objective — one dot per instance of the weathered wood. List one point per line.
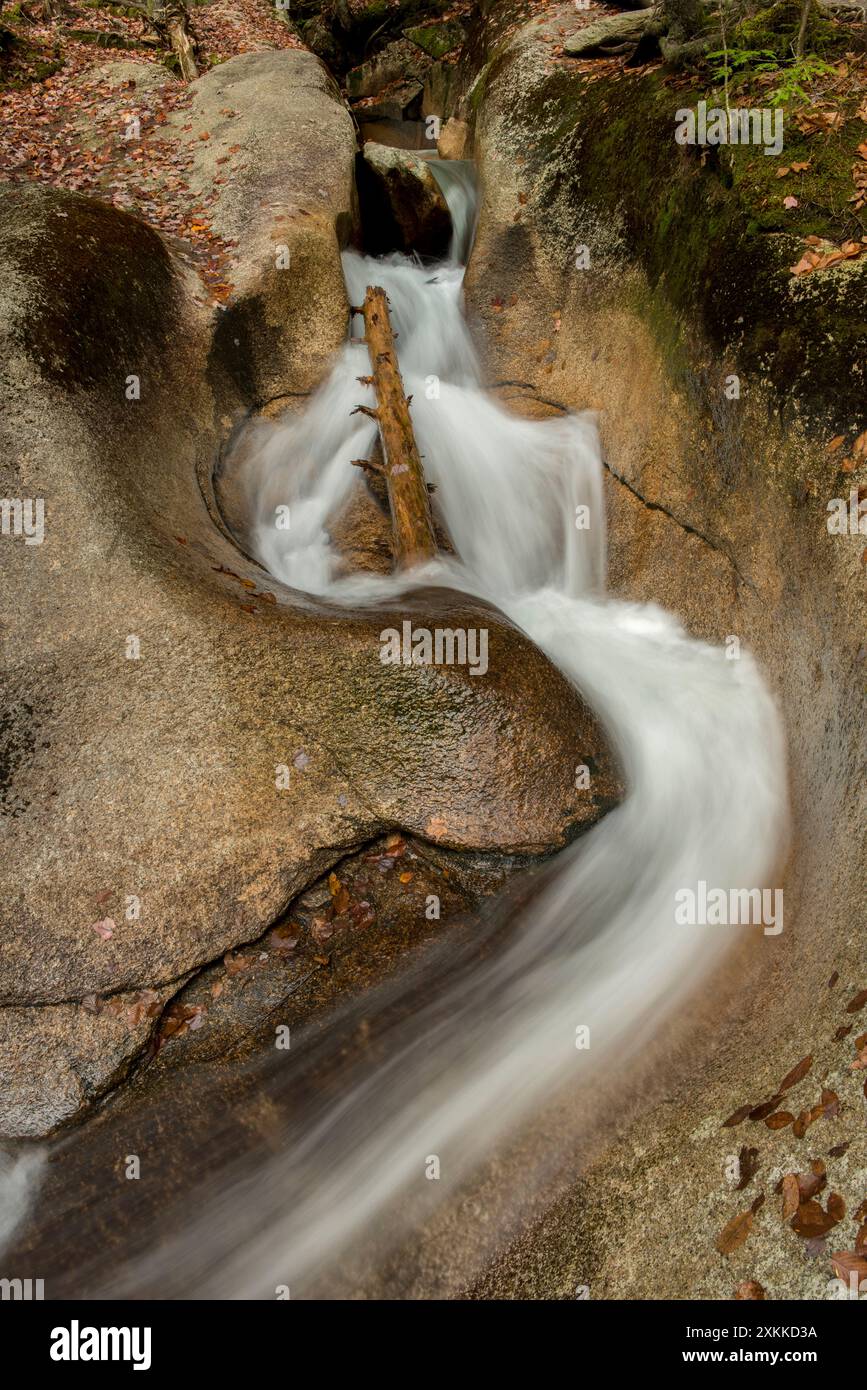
(408, 500)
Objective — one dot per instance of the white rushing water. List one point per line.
(697, 735)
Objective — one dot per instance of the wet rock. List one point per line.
(399, 61)
(190, 744)
(438, 39)
(403, 206)
(401, 101)
(452, 143)
(719, 515)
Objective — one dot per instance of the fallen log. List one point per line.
(408, 500)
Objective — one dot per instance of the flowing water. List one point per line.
(492, 1038)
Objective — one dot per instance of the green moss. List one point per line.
(437, 39)
(775, 29)
(710, 227)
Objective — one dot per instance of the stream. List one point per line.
(490, 1037)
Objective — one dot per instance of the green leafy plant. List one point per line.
(732, 61)
(796, 77)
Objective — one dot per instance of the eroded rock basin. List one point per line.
(171, 789)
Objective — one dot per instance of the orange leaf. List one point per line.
(735, 1233)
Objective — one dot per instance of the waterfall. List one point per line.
(697, 735)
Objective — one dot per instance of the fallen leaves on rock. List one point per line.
(748, 1166)
(857, 1002)
(749, 1289)
(735, 1233)
(796, 1074)
(847, 1263)
(812, 1221)
(823, 253)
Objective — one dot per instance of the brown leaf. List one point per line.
(779, 1120)
(735, 1233)
(857, 1002)
(760, 1112)
(749, 1289)
(843, 1032)
(748, 1167)
(836, 975)
(802, 1123)
(829, 1105)
(737, 1117)
(791, 1196)
(796, 1074)
(836, 1206)
(848, 1262)
(839, 1149)
(811, 1220)
(811, 1183)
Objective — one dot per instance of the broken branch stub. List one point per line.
(408, 500)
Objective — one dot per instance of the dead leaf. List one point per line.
(812, 1221)
(760, 1112)
(105, 928)
(779, 1120)
(737, 1117)
(749, 1289)
(735, 1233)
(747, 1167)
(796, 1074)
(791, 1196)
(845, 1263)
(857, 1002)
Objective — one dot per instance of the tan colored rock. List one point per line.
(288, 206)
(159, 685)
(725, 525)
(453, 141)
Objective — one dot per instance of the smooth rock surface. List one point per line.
(403, 207)
(157, 682)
